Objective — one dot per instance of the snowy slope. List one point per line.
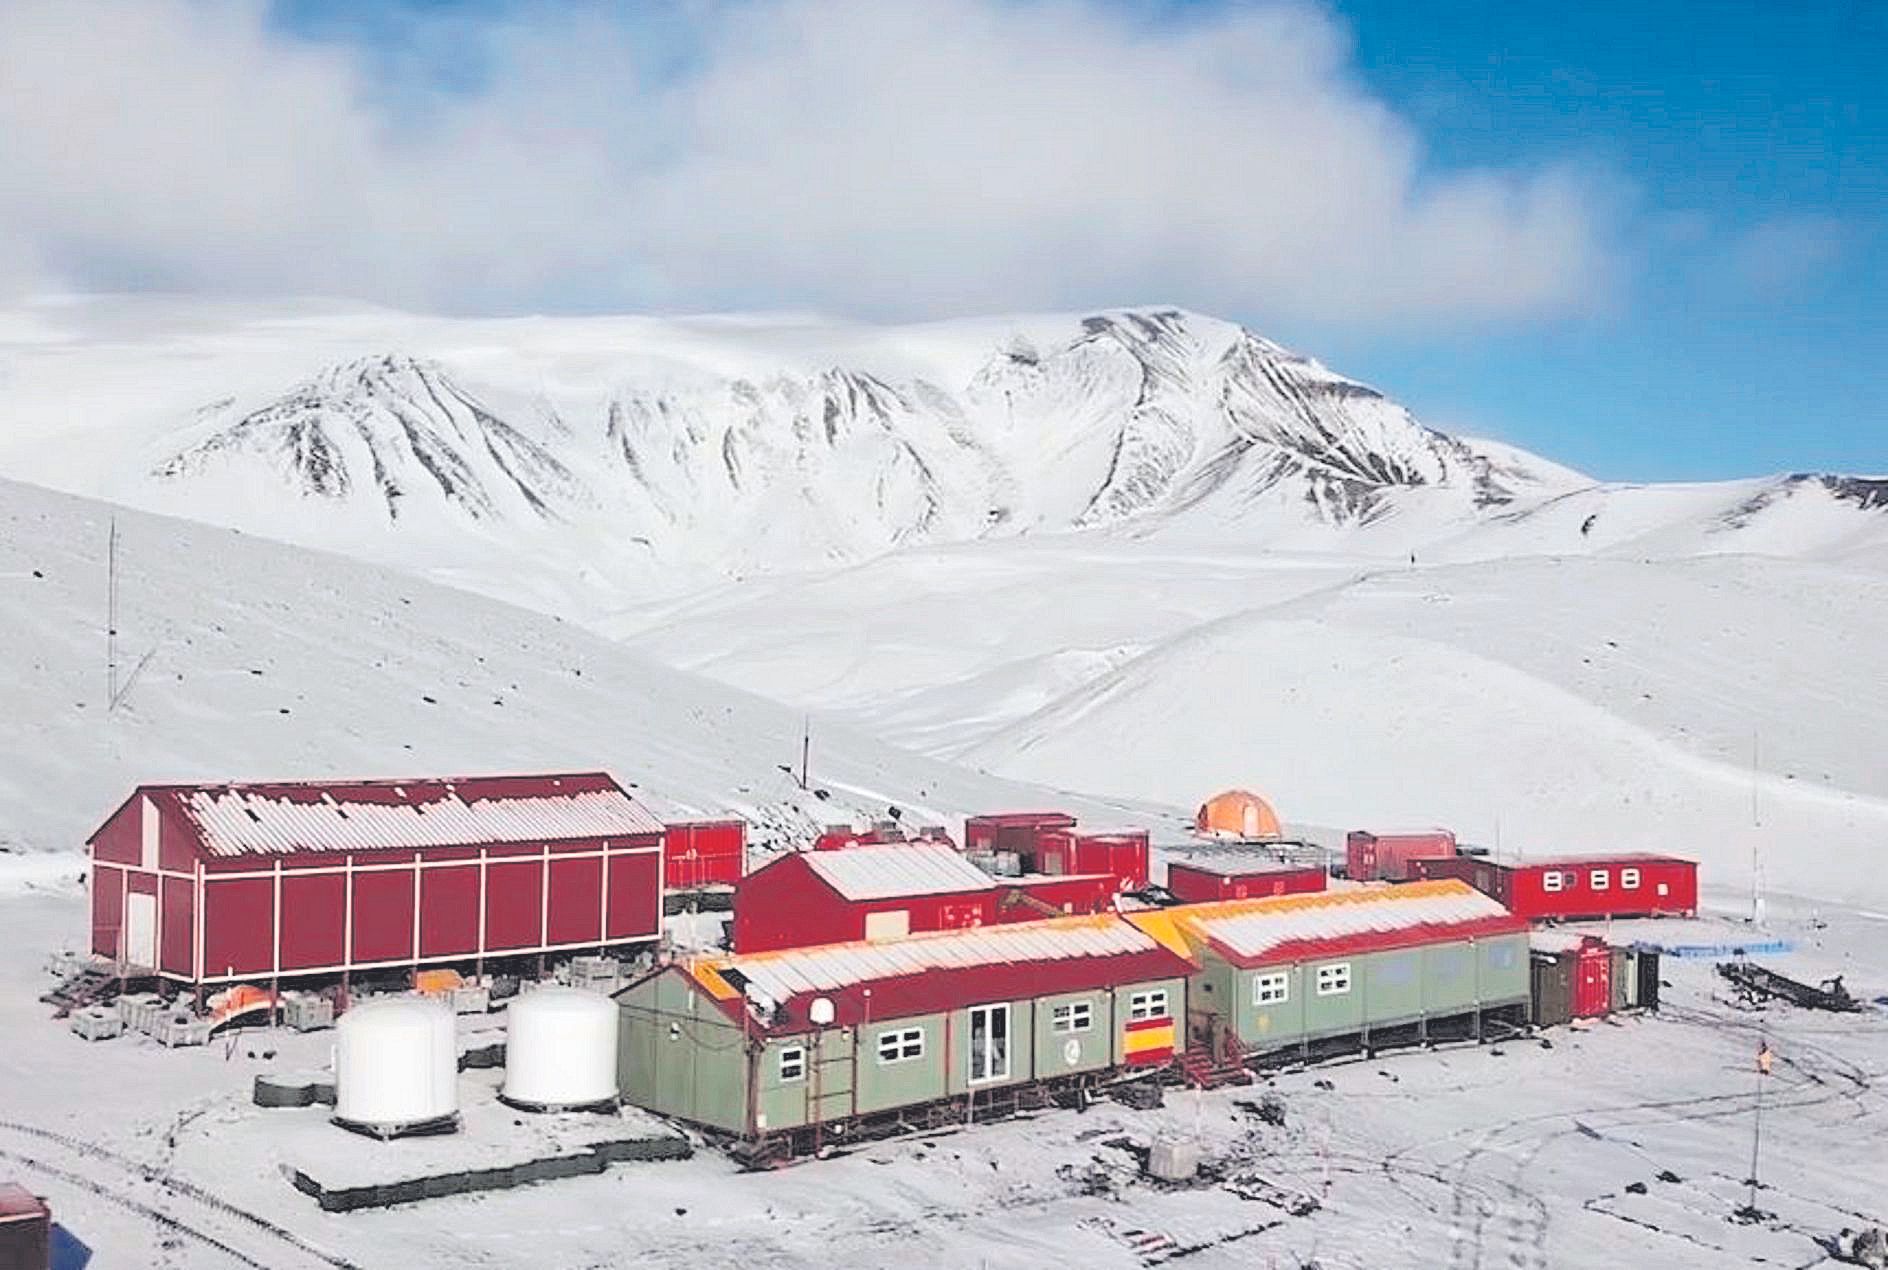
(581, 465)
(250, 660)
(1710, 707)
(1584, 701)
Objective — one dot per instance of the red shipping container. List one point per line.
(1369, 857)
(1580, 887)
(1123, 855)
(1197, 882)
(212, 883)
(699, 853)
(1024, 832)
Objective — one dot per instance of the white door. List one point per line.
(141, 930)
(895, 924)
(989, 1043)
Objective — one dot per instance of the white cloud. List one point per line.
(1777, 258)
(912, 158)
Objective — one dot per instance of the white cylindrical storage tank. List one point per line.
(560, 1050)
(396, 1068)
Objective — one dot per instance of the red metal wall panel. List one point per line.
(576, 903)
(176, 846)
(383, 916)
(1592, 979)
(783, 905)
(314, 921)
(449, 911)
(635, 895)
(1369, 856)
(514, 905)
(238, 926)
(121, 838)
(706, 854)
(179, 902)
(107, 911)
(1125, 855)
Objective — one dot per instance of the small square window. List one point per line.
(901, 1045)
(1553, 881)
(1629, 879)
(1600, 879)
(1272, 989)
(1148, 1005)
(1077, 1016)
(1334, 979)
(793, 1063)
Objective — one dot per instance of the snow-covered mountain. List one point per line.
(581, 465)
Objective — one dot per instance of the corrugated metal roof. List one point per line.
(1587, 861)
(233, 820)
(1237, 864)
(897, 869)
(1252, 928)
(795, 972)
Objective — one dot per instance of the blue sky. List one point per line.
(1650, 241)
(1754, 136)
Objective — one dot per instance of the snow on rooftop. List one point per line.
(238, 821)
(1252, 928)
(829, 967)
(896, 869)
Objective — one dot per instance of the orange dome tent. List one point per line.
(1237, 814)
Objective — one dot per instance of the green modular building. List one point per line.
(791, 1047)
(1363, 966)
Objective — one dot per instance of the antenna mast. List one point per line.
(806, 746)
(111, 617)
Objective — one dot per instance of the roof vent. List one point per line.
(820, 1013)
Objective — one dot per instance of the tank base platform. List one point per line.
(496, 1147)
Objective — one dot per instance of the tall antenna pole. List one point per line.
(111, 617)
(806, 746)
(1756, 824)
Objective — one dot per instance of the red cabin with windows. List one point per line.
(1579, 887)
(218, 883)
(870, 892)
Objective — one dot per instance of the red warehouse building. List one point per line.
(1369, 857)
(1124, 856)
(1575, 887)
(211, 883)
(1234, 877)
(703, 853)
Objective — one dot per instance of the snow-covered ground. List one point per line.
(1622, 1144)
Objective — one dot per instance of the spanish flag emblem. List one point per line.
(1149, 1040)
